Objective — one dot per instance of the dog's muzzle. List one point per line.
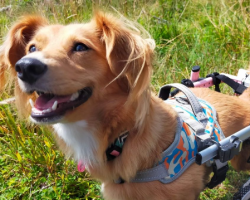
(30, 69)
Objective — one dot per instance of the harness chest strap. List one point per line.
(160, 172)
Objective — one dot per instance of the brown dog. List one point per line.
(92, 82)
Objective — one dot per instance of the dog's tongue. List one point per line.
(45, 101)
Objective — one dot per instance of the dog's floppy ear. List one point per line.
(19, 35)
(13, 49)
(127, 52)
(129, 55)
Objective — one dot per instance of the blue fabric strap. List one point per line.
(159, 172)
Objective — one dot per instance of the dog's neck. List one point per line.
(89, 143)
(88, 139)
(79, 138)
(155, 135)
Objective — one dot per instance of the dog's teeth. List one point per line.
(54, 105)
(31, 103)
(40, 112)
(36, 111)
(74, 96)
(47, 110)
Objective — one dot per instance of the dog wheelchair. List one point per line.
(217, 154)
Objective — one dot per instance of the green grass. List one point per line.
(210, 33)
(33, 168)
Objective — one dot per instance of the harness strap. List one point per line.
(238, 88)
(152, 174)
(217, 78)
(220, 171)
(197, 127)
(160, 171)
(195, 104)
(202, 139)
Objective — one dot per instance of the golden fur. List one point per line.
(118, 68)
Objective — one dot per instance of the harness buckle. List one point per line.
(225, 152)
(220, 170)
(228, 151)
(203, 143)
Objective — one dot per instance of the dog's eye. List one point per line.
(80, 47)
(32, 48)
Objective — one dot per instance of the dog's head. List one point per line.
(72, 69)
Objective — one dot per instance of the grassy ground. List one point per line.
(210, 33)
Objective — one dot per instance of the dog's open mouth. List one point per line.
(49, 107)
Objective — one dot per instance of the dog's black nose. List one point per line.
(30, 69)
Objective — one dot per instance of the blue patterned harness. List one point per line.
(197, 123)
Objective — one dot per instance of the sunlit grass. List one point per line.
(210, 33)
(31, 165)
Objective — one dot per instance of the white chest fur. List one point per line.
(78, 137)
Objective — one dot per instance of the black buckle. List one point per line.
(219, 176)
(203, 144)
(225, 153)
(216, 81)
(186, 82)
(229, 150)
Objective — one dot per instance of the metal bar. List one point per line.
(211, 152)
